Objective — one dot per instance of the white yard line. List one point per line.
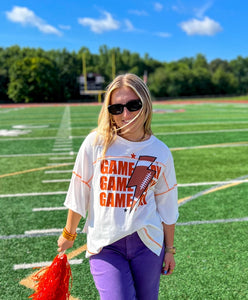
(56, 180)
(33, 194)
(35, 234)
(245, 219)
(55, 164)
(201, 132)
(43, 231)
(199, 123)
(211, 183)
(36, 154)
(58, 158)
(38, 209)
(224, 145)
(25, 266)
(58, 171)
(62, 149)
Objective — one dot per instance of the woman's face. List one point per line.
(135, 129)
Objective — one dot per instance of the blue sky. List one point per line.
(167, 30)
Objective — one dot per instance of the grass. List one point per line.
(211, 255)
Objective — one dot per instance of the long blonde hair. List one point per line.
(107, 129)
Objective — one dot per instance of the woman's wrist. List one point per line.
(69, 236)
(171, 250)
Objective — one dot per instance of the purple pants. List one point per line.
(127, 270)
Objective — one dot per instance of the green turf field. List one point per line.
(209, 143)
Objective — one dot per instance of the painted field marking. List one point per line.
(245, 219)
(156, 124)
(33, 194)
(219, 187)
(37, 154)
(62, 145)
(58, 171)
(223, 145)
(56, 180)
(44, 231)
(58, 158)
(38, 209)
(201, 132)
(35, 233)
(29, 126)
(212, 183)
(25, 266)
(36, 169)
(13, 132)
(62, 149)
(54, 164)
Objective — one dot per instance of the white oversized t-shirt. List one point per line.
(132, 188)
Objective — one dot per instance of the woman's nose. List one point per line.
(126, 112)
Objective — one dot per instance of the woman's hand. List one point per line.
(169, 264)
(64, 244)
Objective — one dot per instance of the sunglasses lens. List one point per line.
(115, 109)
(134, 105)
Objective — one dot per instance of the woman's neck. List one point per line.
(135, 137)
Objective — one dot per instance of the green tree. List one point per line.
(225, 82)
(201, 82)
(33, 80)
(239, 68)
(158, 83)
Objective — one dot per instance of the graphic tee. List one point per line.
(132, 188)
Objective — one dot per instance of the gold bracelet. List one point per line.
(69, 236)
(171, 250)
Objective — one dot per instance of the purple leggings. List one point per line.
(127, 270)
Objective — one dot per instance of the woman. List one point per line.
(124, 180)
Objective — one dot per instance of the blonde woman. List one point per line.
(124, 182)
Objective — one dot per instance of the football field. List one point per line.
(209, 143)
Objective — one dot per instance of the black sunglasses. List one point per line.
(132, 105)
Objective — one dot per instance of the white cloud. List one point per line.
(129, 25)
(100, 25)
(158, 6)
(163, 34)
(200, 12)
(25, 16)
(65, 27)
(138, 12)
(206, 26)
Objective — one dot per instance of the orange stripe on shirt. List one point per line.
(167, 190)
(152, 238)
(80, 177)
(166, 181)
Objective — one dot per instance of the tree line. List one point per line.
(36, 75)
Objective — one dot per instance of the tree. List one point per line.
(33, 80)
(225, 82)
(219, 63)
(158, 83)
(239, 68)
(201, 82)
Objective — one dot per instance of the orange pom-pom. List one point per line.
(54, 283)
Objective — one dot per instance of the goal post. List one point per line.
(99, 93)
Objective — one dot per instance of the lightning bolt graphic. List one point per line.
(141, 177)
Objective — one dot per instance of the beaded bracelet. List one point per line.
(67, 235)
